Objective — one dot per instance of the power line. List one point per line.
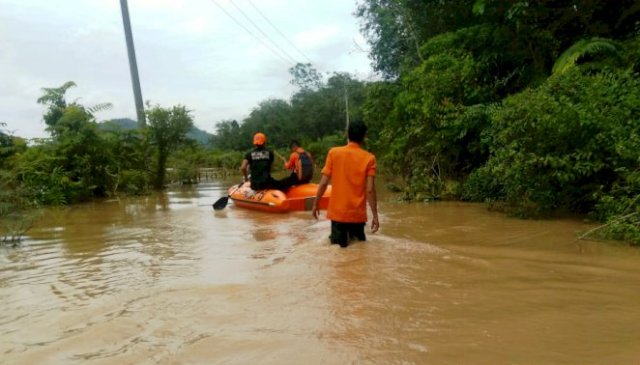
(263, 33)
(287, 62)
(279, 32)
(251, 33)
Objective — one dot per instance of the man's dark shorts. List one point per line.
(342, 233)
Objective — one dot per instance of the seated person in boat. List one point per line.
(300, 164)
(259, 162)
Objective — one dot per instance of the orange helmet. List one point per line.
(259, 139)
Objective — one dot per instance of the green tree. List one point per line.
(6, 145)
(306, 77)
(322, 112)
(14, 218)
(396, 29)
(537, 30)
(316, 111)
(127, 150)
(75, 164)
(272, 117)
(227, 136)
(167, 128)
(55, 100)
(564, 145)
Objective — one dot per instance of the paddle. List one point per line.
(222, 202)
(284, 160)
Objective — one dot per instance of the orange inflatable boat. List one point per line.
(297, 198)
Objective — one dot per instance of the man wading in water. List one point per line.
(352, 172)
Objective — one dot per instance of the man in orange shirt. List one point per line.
(300, 164)
(352, 172)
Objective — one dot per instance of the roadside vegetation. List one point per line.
(82, 161)
(533, 108)
(530, 107)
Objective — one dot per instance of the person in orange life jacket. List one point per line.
(352, 173)
(259, 162)
(300, 164)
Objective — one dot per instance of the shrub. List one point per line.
(566, 144)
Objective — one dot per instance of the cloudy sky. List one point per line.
(189, 52)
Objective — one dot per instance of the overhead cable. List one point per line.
(276, 45)
(287, 62)
(279, 32)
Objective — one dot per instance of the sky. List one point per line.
(189, 52)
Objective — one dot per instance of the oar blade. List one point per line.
(221, 203)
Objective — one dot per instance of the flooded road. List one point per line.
(166, 280)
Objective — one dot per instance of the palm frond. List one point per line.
(573, 54)
(54, 95)
(99, 107)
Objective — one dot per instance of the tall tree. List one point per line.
(55, 99)
(272, 117)
(306, 77)
(168, 129)
(227, 136)
(396, 29)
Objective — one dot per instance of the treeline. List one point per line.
(316, 114)
(83, 160)
(533, 107)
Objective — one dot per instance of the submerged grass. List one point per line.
(13, 227)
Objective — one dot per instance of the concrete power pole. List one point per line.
(346, 104)
(133, 66)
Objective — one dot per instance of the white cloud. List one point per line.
(197, 26)
(318, 36)
(164, 5)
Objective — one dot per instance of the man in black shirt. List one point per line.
(259, 161)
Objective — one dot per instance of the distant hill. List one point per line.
(199, 136)
(195, 134)
(119, 124)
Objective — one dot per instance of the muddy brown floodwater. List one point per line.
(166, 280)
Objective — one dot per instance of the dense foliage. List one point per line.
(532, 106)
(167, 132)
(535, 31)
(82, 161)
(314, 114)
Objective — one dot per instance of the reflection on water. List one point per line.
(164, 279)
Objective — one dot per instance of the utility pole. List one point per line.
(346, 103)
(133, 66)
